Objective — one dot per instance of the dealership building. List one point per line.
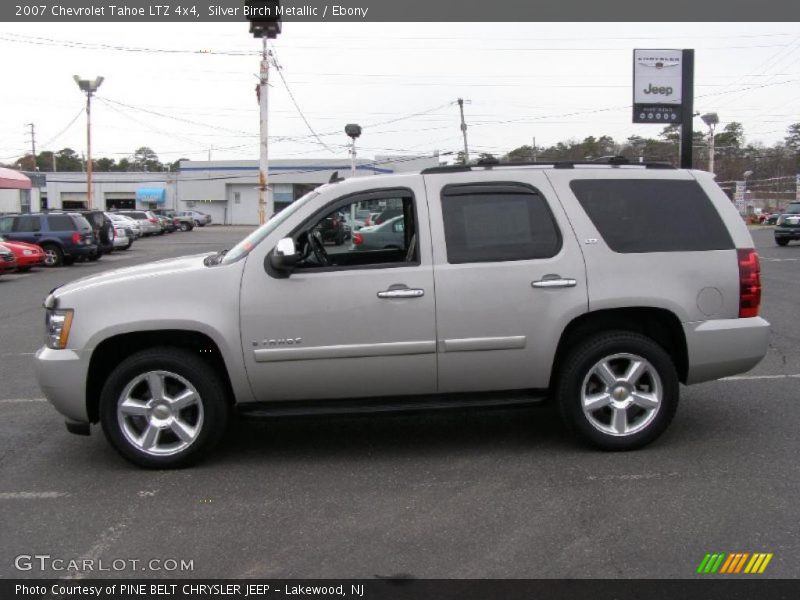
(227, 190)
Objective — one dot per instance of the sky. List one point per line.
(188, 90)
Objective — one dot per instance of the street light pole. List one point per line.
(89, 88)
(265, 205)
(710, 119)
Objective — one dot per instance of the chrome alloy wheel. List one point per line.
(50, 257)
(621, 394)
(160, 413)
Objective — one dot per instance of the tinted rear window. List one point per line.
(81, 223)
(60, 223)
(497, 222)
(652, 215)
(136, 215)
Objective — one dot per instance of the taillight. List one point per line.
(76, 238)
(357, 239)
(153, 220)
(749, 282)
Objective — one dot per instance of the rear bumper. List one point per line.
(88, 250)
(62, 376)
(724, 347)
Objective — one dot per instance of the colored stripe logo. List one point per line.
(734, 563)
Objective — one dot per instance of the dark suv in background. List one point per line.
(788, 225)
(64, 236)
(103, 229)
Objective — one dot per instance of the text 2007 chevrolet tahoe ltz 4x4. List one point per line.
(601, 286)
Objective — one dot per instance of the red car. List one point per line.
(8, 263)
(27, 255)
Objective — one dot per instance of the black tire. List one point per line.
(54, 256)
(209, 388)
(185, 226)
(69, 261)
(128, 247)
(575, 373)
(781, 241)
(23, 269)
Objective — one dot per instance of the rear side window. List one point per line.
(27, 224)
(136, 215)
(497, 222)
(60, 223)
(652, 215)
(80, 223)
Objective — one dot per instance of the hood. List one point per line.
(21, 246)
(163, 268)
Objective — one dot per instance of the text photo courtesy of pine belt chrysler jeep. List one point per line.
(600, 286)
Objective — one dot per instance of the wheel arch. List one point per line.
(112, 350)
(659, 324)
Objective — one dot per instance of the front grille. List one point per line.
(7, 257)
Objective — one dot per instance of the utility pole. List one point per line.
(534, 148)
(265, 23)
(265, 206)
(32, 133)
(464, 130)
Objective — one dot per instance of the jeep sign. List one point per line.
(657, 78)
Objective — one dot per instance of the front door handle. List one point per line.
(401, 292)
(554, 281)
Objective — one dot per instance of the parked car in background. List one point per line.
(103, 229)
(787, 227)
(130, 225)
(200, 219)
(27, 255)
(123, 239)
(147, 221)
(64, 236)
(773, 217)
(8, 263)
(180, 221)
(386, 236)
(167, 225)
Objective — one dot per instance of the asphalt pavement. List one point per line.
(474, 494)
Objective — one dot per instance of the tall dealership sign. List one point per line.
(663, 92)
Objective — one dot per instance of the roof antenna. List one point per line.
(335, 178)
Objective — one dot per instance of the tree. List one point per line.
(731, 140)
(147, 160)
(68, 160)
(521, 154)
(104, 164)
(792, 138)
(176, 165)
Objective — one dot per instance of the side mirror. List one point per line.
(283, 258)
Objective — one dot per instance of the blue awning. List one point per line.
(157, 195)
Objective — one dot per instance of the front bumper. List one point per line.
(724, 347)
(62, 376)
(787, 233)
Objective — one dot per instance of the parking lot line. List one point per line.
(31, 495)
(16, 400)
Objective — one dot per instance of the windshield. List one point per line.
(244, 247)
(793, 209)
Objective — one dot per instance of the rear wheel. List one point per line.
(53, 255)
(163, 408)
(618, 391)
(781, 241)
(185, 226)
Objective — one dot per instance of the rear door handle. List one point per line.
(401, 292)
(554, 282)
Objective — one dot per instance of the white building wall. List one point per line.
(9, 200)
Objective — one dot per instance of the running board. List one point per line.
(293, 408)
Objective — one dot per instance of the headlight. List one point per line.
(57, 324)
(780, 220)
(27, 252)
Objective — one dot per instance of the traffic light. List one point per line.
(264, 17)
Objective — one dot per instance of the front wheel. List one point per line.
(185, 226)
(53, 255)
(163, 408)
(781, 241)
(618, 391)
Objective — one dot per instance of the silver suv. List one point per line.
(601, 286)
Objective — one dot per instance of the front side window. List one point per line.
(340, 239)
(27, 224)
(497, 222)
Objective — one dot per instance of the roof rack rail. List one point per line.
(556, 164)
